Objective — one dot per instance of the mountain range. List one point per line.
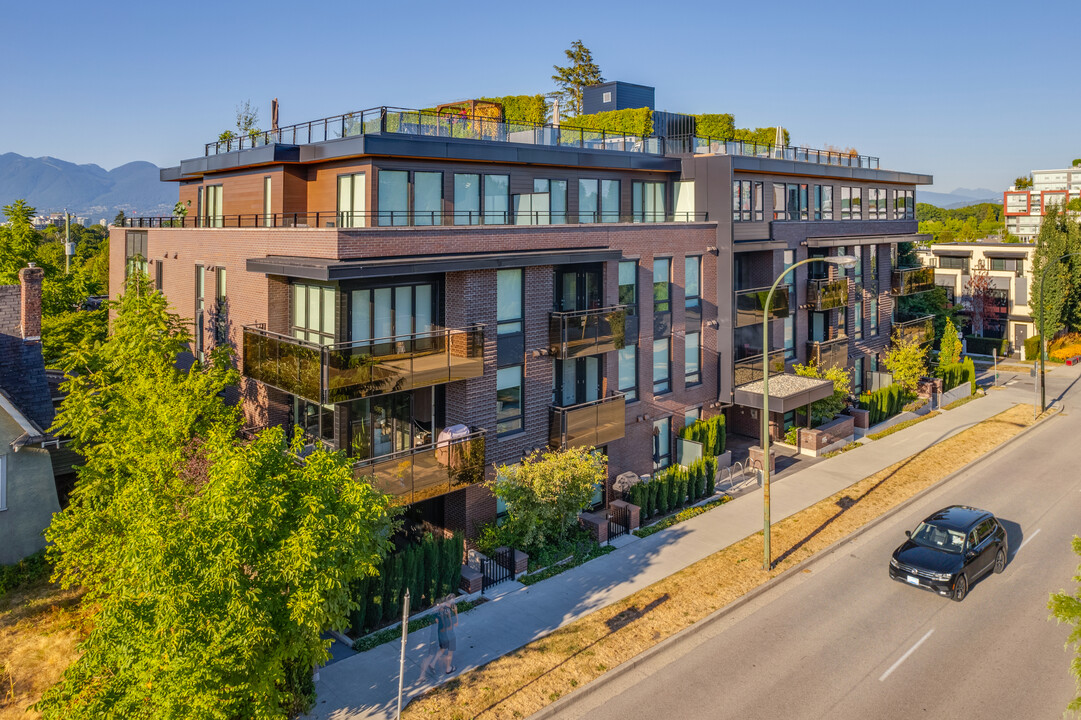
(51, 185)
(961, 197)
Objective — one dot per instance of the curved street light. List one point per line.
(1043, 340)
(845, 261)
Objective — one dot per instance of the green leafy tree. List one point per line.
(572, 79)
(1066, 608)
(828, 408)
(211, 566)
(1023, 182)
(18, 241)
(1058, 236)
(546, 491)
(950, 347)
(907, 360)
(977, 298)
(119, 220)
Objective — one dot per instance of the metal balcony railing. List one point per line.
(921, 329)
(827, 294)
(426, 471)
(589, 332)
(913, 280)
(345, 371)
(831, 353)
(751, 303)
(589, 424)
(749, 369)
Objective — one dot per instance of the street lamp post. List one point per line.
(845, 261)
(1043, 340)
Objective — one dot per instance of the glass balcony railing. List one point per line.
(913, 280)
(832, 353)
(427, 471)
(827, 294)
(590, 424)
(345, 371)
(751, 303)
(589, 332)
(749, 369)
(700, 145)
(919, 329)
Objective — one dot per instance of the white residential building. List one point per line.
(1023, 210)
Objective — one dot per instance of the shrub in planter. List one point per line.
(711, 475)
(1032, 348)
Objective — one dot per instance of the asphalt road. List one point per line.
(843, 640)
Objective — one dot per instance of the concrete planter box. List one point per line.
(825, 438)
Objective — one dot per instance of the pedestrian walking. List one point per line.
(446, 619)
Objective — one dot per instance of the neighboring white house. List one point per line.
(1009, 268)
(1023, 210)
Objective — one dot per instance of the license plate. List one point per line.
(914, 580)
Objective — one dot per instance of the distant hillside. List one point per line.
(50, 185)
(961, 197)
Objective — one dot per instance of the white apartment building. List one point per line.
(1023, 210)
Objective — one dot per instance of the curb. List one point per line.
(553, 710)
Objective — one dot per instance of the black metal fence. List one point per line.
(497, 568)
(618, 521)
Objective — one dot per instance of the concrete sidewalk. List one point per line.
(365, 685)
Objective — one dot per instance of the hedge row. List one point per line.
(710, 432)
(430, 570)
(633, 121)
(985, 345)
(674, 487)
(1032, 348)
(956, 374)
(883, 403)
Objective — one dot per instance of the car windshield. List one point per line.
(933, 536)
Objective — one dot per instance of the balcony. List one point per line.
(427, 471)
(827, 294)
(589, 332)
(832, 353)
(913, 280)
(751, 303)
(346, 371)
(700, 145)
(590, 424)
(749, 369)
(920, 329)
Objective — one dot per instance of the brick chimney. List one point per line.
(30, 280)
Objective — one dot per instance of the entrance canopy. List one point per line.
(786, 392)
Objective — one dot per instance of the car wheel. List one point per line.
(1000, 560)
(960, 589)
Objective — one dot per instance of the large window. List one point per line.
(790, 201)
(393, 197)
(557, 200)
(683, 201)
(662, 443)
(392, 312)
(352, 202)
(212, 206)
(954, 263)
(508, 406)
(662, 284)
(662, 365)
(1014, 265)
(466, 199)
(692, 281)
(876, 204)
(496, 199)
(857, 376)
(598, 200)
(851, 203)
(268, 211)
(313, 313)
(904, 204)
(509, 300)
(692, 358)
(221, 315)
(857, 272)
(872, 312)
(746, 201)
(427, 198)
(788, 257)
(823, 202)
(136, 253)
(628, 371)
(857, 319)
(628, 285)
(647, 201)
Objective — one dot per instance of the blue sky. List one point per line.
(973, 93)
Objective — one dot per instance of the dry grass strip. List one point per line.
(537, 674)
(39, 627)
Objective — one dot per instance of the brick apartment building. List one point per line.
(440, 295)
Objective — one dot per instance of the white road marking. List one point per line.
(1025, 542)
(905, 656)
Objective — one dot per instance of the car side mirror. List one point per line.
(908, 533)
(969, 554)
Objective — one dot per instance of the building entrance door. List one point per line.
(1020, 334)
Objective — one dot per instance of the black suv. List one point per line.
(949, 550)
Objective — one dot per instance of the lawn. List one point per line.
(537, 674)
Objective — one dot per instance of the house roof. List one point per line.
(22, 367)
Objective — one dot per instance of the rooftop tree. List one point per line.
(575, 77)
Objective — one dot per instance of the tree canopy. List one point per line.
(1023, 182)
(211, 566)
(580, 73)
(828, 408)
(1066, 608)
(1059, 235)
(907, 360)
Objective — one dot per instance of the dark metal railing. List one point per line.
(921, 329)
(751, 303)
(698, 145)
(402, 121)
(827, 294)
(345, 371)
(428, 470)
(831, 353)
(588, 424)
(913, 280)
(588, 332)
(749, 369)
(403, 218)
